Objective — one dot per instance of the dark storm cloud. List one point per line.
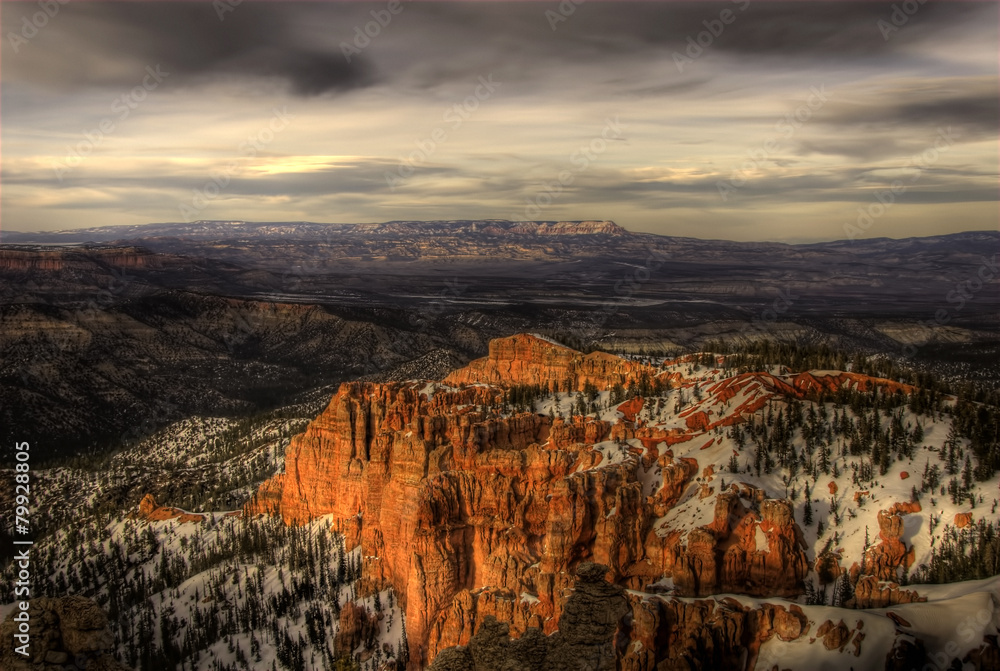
(843, 29)
(978, 111)
(188, 39)
(905, 118)
(599, 30)
(300, 44)
(687, 131)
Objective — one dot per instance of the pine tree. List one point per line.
(810, 593)
(843, 591)
(734, 464)
(967, 478)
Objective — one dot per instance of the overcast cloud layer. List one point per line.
(782, 126)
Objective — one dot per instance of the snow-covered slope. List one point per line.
(846, 451)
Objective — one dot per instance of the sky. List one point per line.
(745, 120)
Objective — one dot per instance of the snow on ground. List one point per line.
(223, 587)
(612, 453)
(844, 511)
(950, 627)
(842, 521)
(651, 478)
(878, 634)
(429, 389)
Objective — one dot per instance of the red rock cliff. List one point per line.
(468, 512)
(528, 359)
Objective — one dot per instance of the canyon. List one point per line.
(142, 326)
(475, 512)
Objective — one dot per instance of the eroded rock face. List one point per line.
(834, 636)
(870, 592)
(526, 359)
(355, 626)
(468, 512)
(675, 635)
(150, 511)
(583, 642)
(884, 559)
(65, 630)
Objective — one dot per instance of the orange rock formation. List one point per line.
(467, 512)
(150, 511)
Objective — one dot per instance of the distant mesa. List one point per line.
(304, 230)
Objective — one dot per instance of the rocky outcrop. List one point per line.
(65, 630)
(584, 640)
(724, 556)
(676, 635)
(984, 657)
(356, 626)
(151, 512)
(870, 592)
(267, 499)
(834, 636)
(526, 359)
(469, 511)
(884, 560)
(35, 260)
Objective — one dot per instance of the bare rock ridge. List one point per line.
(471, 510)
(494, 227)
(66, 632)
(521, 360)
(151, 512)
